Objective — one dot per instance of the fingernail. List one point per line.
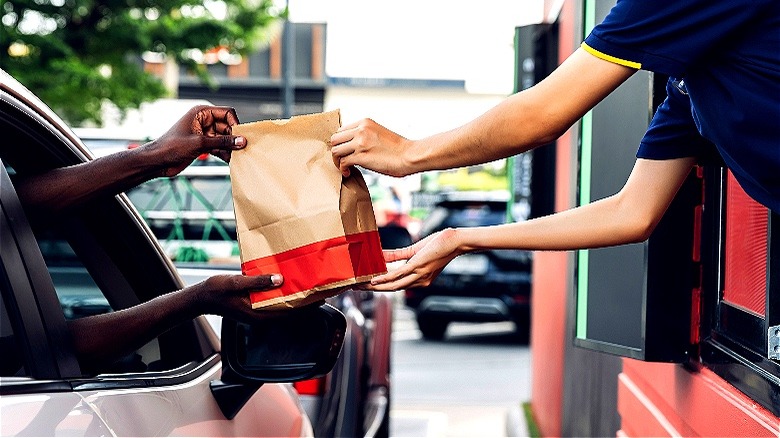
(277, 279)
(239, 141)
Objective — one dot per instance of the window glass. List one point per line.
(192, 214)
(76, 290)
(745, 250)
(97, 257)
(80, 296)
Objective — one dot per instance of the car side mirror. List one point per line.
(296, 345)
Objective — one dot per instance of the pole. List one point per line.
(288, 59)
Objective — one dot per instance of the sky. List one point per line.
(422, 39)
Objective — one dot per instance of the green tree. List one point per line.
(77, 54)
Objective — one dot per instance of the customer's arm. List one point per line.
(106, 337)
(204, 129)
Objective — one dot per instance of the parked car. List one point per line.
(103, 257)
(192, 216)
(476, 287)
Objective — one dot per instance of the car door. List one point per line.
(35, 400)
(96, 259)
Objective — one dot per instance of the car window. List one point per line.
(80, 295)
(12, 359)
(100, 259)
(472, 216)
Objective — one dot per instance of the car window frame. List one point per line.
(42, 331)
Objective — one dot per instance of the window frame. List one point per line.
(734, 342)
(30, 297)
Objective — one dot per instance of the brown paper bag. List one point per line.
(296, 215)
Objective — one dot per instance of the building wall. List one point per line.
(656, 399)
(581, 393)
(410, 108)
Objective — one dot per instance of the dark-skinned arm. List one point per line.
(204, 129)
(101, 339)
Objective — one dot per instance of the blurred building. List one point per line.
(255, 84)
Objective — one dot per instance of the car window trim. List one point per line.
(46, 336)
(186, 373)
(158, 379)
(32, 386)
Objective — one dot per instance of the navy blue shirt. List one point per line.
(727, 54)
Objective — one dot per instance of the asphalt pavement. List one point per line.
(472, 384)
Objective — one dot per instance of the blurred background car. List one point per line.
(484, 286)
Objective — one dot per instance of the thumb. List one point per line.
(224, 142)
(258, 282)
(393, 255)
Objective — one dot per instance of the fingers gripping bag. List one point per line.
(298, 216)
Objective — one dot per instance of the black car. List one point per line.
(484, 286)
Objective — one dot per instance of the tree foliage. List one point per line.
(77, 54)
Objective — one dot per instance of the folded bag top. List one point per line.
(297, 215)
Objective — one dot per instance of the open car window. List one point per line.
(100, 257)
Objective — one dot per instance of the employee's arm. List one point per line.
(523, 121)
(204, 129)
(626, 217)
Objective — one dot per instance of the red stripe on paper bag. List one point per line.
(319, 264)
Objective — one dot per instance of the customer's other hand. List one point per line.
(228, 295)
(203, 130)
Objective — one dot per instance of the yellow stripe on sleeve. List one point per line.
(612, 59)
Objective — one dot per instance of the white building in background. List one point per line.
(417, 66)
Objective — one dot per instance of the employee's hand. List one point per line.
(228, 295)
(425, 261)
(372, 146)
(203, 130)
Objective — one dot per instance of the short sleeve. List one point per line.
(673, 133)
(669, 36)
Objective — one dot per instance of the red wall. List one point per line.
(550, 273)
(667, 400)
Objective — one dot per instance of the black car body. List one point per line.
(477, 287)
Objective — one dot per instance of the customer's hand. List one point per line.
(203, 130)
(228, 295)
(425, 261)
(372, 146)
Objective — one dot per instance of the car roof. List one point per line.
(35, 108)
(476, 196)
(495, 200)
